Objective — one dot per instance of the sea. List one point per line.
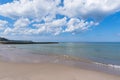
(100, 56)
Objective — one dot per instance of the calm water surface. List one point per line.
(107, 53)
(100, 56)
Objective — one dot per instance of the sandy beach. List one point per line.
(17, 64)
(47, 71)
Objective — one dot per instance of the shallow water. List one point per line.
(99, 56)
(107, 53)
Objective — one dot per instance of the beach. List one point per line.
(17, 63)
(47, 71)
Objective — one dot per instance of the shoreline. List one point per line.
(15, 55)
(14, 60)
(68, 61)
(49, 71)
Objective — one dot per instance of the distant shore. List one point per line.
(26, 42)
(7, 41)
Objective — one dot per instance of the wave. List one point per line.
(108, 65)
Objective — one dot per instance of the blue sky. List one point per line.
(60, 20)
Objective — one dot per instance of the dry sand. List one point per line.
(46, 71)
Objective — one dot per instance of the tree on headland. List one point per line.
(3, 39)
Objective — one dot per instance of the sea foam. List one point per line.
(108, 65)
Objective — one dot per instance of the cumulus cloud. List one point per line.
(3, 24)
(39, 16)
(76, 25)
(54, 26)
(28, 8)
(96, 9)
(19, 26)
(22, 22)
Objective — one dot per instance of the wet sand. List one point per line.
(47, 71)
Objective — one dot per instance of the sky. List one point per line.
(60, 20)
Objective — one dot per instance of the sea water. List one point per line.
(105, 54)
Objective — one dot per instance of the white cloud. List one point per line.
(22, 22)
(28, 14)
(54, 26)
(19, 27)
(90, 8)
(28, 8)
(7, 30)
(76, 25)
(3, 24)
(39, 9)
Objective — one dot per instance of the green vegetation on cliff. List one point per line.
(7, 41)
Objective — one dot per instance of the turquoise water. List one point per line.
(102, 52)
